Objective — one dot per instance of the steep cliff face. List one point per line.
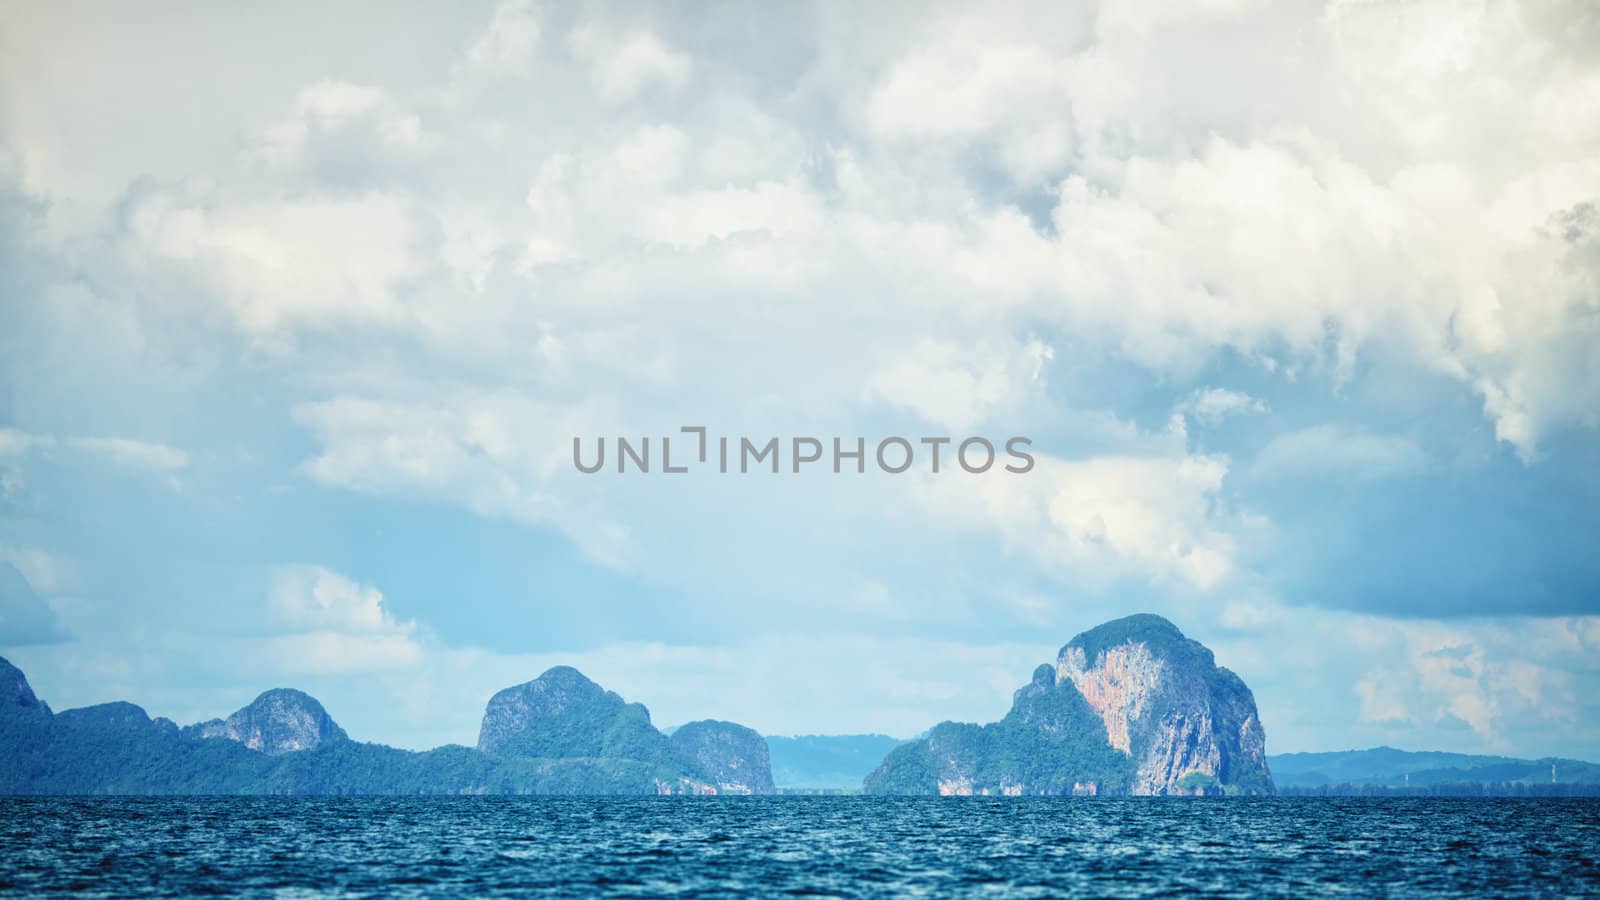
(733, 757)
(1118, 687)
(279, 721)
(16, 697)
(1187, 724)
(1130, 707)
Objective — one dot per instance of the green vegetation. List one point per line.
(590, 743)
(1053, 742)
(1162, 637)
(1198, 781)
(52, 757)
(1050, 743)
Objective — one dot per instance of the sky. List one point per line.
(1299, 303)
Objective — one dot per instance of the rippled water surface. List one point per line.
(798, 845)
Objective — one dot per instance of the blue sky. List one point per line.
(1298, 303)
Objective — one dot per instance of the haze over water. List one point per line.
(808, 845)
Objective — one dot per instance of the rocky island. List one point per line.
(558, 734)
(1130, 707)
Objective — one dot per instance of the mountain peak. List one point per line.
(1130, 706)
(557, 681)
(14, 690)
(279, 721)
(550, 715)
(1140, 628)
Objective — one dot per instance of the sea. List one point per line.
(798, 846)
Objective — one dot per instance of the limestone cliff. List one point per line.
(279, 721)
(734, 757)
(1130, 707)
(1187, 724)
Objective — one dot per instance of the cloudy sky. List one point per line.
(1299, 303)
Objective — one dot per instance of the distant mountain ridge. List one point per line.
(558, 734)
(563, 734)
(826, 761)
(1129, 707)
(1388, 770)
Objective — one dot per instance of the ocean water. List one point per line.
(845, 846)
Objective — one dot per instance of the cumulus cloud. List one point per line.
(509, 40)
(339, 129)
(1150, 517)
(285, 266)
(25, 618)
(1294, 241)
(963, 387)
(42, 570)
(1493, 677)
(622, 66)
(333, 624)
(501, 456)
(1213, 404)
(1506, 685)
(418, 268)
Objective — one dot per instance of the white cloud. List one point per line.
(296, 264)
(1486, 675)
(690, 219)
(1149, 517)
(1301, 240)
(623, 66)
(498, 455)
(341, 125)
(121, 451)
(46, 572)
(655, 153)
(1328, 680)
(1324, 451)
(1380, 700)
(960, 216)
(137, 454)
(335, 625)
(508, 42)
(963, 387)
(1213, 404)
(963, 90)
(15, 443)
(25, 617)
